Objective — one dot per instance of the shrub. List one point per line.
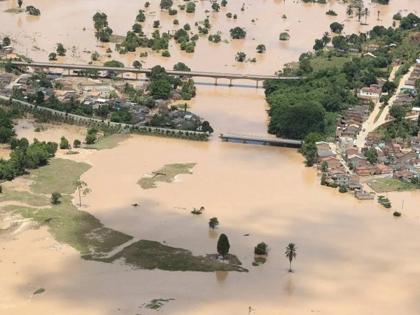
(213, 223)
(55, 198)
(64, 143)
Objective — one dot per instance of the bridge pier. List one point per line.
(257, 84)
(230, 82)
(215, 81)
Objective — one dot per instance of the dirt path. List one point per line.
(373, 122)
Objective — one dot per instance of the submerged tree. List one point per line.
(223, 245)
(20, 2)
(290, 254)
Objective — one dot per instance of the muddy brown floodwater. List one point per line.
(353, 257)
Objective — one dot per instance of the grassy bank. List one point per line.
(87, 234)
(383, 185)
(108, 142)
(165, 174)
(154, 255)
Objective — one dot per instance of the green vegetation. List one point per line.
(154, 255)
(223, 245)
(336, 27)
(284, 36)
(261, 249)
(88, 235)
(108, 142)
(26, 197)
(157, 304)
(385, 202)
(237, 33)
(383, 185)
(213, 223)
(290, 254)
(39, 291)
(31, 10)
(332, 79)
(55, 198)
(61, 51)
(103, 31)
(165, 174)
(46, 181)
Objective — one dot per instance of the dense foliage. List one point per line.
(26, 156)
(333, 77)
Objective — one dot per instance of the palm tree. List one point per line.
(290, 254)
(366, 14)
(82, 189)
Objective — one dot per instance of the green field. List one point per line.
(108, 142)
(165, 174)
(322, 62)
(59, 175)
(87, 234)
(383, 185)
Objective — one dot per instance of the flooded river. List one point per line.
(353, 257)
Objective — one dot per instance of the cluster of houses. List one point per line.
(345, 165)
(350, 124)
(408, 92)
(99, 93)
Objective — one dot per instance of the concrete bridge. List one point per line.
(72, 68)
(250, 139)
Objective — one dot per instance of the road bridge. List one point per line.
(203, 74)
(251, 139)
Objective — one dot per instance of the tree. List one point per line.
(261, 249)
(6, 41)
(215, 6)
(77, 143)
(91, 136)
(340, 43)
(64, 143)
(190, 7)
(371, 155)
(82, 189)
(160, 89)
(237, 33)
(20, 2)
(166, 4)
(223, 245)
(213, 223)
(180, 66)
(336, 27)
(290, 254)
(141, 17)
(52, 56)
(205, 127)
(297, 121)
(284, 36)
(240, 56)
(261, 48)
(55, 198)
(309, 149)
(397, 112)
(136, 64)
(61, 51)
